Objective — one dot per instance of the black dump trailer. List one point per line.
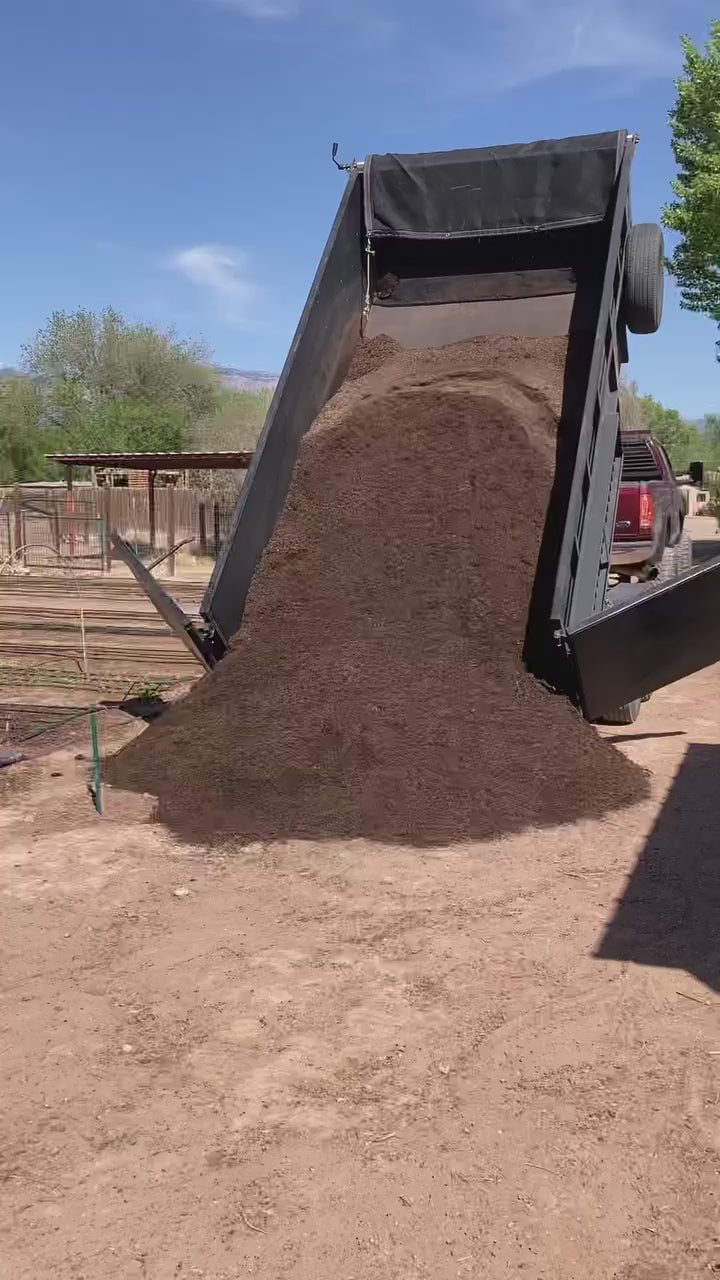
(529, 240)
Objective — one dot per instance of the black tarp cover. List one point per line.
(492, 190)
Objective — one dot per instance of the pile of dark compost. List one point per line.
(377, 686)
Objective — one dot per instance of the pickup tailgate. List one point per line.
(627, 527)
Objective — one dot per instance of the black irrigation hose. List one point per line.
(56, 724)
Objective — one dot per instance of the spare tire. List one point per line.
(644, 278)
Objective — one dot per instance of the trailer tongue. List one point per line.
(527, 240)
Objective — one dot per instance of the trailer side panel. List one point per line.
(319, 357)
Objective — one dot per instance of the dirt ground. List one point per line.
(350, 1060)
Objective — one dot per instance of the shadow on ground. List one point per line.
(669, 914)
(146, 709)
(642, 737)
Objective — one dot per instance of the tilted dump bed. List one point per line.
(527, 240)
(433, 249)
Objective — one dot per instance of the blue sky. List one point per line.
(172, 157)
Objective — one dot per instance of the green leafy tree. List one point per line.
(127, 426)
(631, 407)
(85, 361)
(683, 441)
(678, 436)
(93, 383)
(108, 357)
(235, 424)
(711, 430)
(25, 436)
(695, 213)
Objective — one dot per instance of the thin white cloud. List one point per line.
(260, 9)
(574, 37)
(372, 23)
(220, 271)
(484, 46)
(522, 41)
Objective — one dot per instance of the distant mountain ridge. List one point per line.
(247, 379)
(237, 379)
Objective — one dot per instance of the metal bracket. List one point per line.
(345, 167)
(204, 651)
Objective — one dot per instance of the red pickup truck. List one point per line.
(650, 512)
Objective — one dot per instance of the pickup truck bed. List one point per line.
(650, 513)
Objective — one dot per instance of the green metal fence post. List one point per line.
(96, 785)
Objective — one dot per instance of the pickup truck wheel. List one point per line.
(668, 567)
(624, 715)
(644, 278)
(675, 559)
(683, 553)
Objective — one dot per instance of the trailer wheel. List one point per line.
(624, 715)
(644, 278)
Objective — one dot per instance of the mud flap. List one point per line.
(169, 611)
(629, 651)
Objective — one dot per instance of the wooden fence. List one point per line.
(40, 526)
